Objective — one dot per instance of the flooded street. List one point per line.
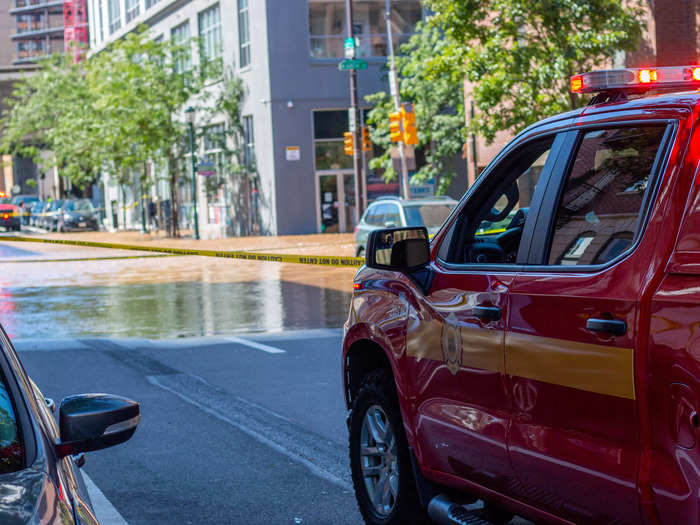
(154, 296)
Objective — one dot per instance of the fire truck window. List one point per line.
(597, 217)
(491, 225)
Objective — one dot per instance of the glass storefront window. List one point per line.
(330, 155)
(327, 26)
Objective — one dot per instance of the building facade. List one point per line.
(38, 29)
(295, 110)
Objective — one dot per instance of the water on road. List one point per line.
(161, 296)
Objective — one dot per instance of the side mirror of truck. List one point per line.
(404, 250)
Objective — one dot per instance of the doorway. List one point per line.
(337, 207)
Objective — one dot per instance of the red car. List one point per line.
(9, 216)
(551, 366)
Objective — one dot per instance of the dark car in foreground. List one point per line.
(75, 215)
(40, 479)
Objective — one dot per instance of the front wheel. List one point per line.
(379, 458)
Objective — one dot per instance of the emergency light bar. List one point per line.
(637, 80)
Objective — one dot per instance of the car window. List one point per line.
(379, 213)
(490, 226)
(12, 456)
(371, 217)
(393, 215)
(428, 215)
(80, 206)
(598, 212)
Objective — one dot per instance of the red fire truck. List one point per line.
(542, 353)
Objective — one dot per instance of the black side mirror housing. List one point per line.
(95, 421)
(405, 250)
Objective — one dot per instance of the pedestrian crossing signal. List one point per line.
(349, 143)
(366, 141)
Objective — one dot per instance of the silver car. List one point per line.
(394, 212)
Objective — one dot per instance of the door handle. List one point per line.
(487, 313)
(606, 326)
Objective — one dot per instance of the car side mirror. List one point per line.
(95, 421)
(398, 249)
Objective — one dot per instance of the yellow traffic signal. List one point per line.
(349, 143)
(410, 131)
(395, 128)
(366, 141)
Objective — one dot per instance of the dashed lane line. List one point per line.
(105, 512)
(258, 346)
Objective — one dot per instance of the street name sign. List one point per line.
(347, 65)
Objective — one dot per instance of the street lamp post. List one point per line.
(189, 114)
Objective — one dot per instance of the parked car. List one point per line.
(9, 217)
(542, 352)
(40, 460)
(24, 203)
(35, 212)
(392, 212)
(49, 219)
(75, 215)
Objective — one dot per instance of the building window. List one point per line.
(210, 34)
(180, 36)
(151, 3)
(243, 33)
(115, 15)
(248, 141)
(132, 8)
(328, 31)
(329, 127)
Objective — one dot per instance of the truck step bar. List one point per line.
(445, 512)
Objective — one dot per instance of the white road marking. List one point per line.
(257, 346)
(104, 510)
(324, 458)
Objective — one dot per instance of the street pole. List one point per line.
(194, 183)
(353, 116)
(394, 88)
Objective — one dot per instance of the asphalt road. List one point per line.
(231, 433)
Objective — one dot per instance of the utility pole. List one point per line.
(353, 114)
(394, 88)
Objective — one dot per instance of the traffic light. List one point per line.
(395, 130)
(366, 141)
(349, 143)
(410, 131)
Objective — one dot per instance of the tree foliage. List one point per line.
(519, 54)
(115, 111)
(433, 83)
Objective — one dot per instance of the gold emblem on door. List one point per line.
(452, 344)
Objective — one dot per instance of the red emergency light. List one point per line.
(637, 80)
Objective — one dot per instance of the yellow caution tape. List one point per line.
(317, 260)
(78, 259)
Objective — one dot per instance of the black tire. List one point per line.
(377, 389)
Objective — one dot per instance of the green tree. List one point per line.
(53, 110)
(431, 78)
(520, 54)
(139, 96)
(239, 172)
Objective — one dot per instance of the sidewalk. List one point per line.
(334, 244)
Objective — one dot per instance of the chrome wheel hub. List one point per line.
(379, 461)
